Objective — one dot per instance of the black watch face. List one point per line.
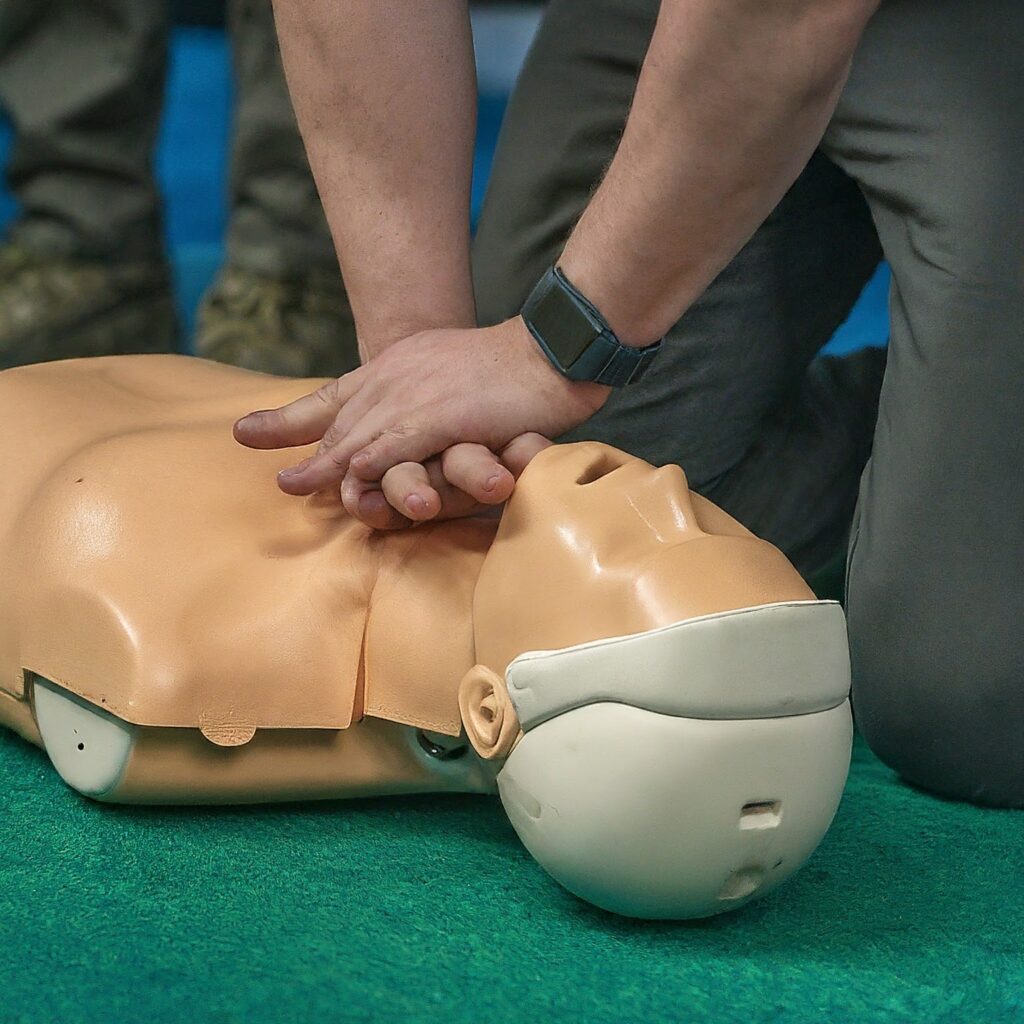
(565, 328)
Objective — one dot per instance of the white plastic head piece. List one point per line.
(682, 772)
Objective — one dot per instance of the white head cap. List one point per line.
(681, 772)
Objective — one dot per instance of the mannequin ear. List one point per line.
(487, 713)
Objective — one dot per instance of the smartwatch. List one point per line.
(577, 339)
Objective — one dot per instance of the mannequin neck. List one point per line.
(419, 638)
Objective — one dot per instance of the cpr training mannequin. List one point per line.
(656, 695)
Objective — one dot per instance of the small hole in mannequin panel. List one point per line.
(81, 746)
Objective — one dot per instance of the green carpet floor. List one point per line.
(427, 909)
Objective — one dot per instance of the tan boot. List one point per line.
(58, 307)
(289, 327)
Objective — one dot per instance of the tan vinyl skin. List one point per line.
(274, 647)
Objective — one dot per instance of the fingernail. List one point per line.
(295, 470)
(492, 483)
(360, 460)
(414, 503)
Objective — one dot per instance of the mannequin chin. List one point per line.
(656, 695)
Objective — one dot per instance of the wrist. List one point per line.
(611, 296)
(577, 339)
(584, 395)
(428, 297)
(381, 333)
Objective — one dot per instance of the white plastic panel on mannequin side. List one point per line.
(88, 747)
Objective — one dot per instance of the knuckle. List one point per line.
(401, 431)
(337, 457)
(395, 478)
(332, 435)
(327, 393)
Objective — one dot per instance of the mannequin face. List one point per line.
(691, 763)
(607, 545)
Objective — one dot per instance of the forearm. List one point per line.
(733, 97)
(385, 97)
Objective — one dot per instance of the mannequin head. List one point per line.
(669, 711)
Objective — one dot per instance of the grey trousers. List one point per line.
(922, 458)
(83, 84)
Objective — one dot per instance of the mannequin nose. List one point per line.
(659, 497)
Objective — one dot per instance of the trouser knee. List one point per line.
(938, 692)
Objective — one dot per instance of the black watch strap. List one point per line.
(577, 339)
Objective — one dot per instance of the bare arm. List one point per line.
(733, 97)
(385, 96)
(732, 100)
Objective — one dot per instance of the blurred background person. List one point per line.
(83, 270)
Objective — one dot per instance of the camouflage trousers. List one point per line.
(83, 85)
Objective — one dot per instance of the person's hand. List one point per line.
(418, 398)
(465, 480)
